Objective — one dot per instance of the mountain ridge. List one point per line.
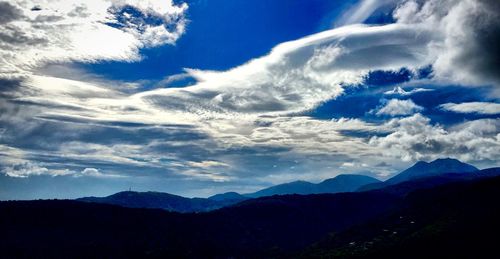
(423, 169)
(449, 170)
(339, 183)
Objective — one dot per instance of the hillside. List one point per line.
(457, 220)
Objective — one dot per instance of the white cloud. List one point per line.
(298, 75)
(94, 172)
(400, 91)
(27, 168)
(86, 31)
(207, 164)
(472, 107)
(467, 37)
(415, 138)
(396, 107)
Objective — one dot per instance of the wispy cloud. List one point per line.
(472, 107)
(361, 11)
(400, 91)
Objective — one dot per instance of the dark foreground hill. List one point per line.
(458, 220)
(464, 213)
(256, 228)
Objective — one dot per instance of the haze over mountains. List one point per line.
(431, 174)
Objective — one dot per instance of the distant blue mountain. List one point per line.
(296, 187)
(166, 201)
(436, 167)
(228, 196)
(344, 183)
(406, 187)
(340, 183)
(423, 169)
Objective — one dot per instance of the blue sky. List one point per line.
(207, 96)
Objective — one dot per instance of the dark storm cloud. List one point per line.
(482, 54)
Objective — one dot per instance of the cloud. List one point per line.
(400, 91)
(94, 172)
(85, 31)
(297, 76)
(468, 31)
(415, 138)
(396, 107)
(294, 77)
(207, 164)
(26, 169)
(472, 107)
(9, 12)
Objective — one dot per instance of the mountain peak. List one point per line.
(436, 167)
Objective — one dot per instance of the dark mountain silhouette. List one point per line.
(340, 183)
(345, 183)
(253, 228)
(159, 200)
(423, 169)
(436, 167)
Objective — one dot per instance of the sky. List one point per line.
(206, 96)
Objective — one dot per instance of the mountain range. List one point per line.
(449, 170)
(340, 183)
